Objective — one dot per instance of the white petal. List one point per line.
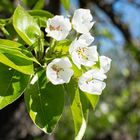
(67, 24)
(88, 38)
(66, 75)
(92, 53)
(76, 60)
(105, 63)
(96, 74)
(65, 63)
(55, 34)
(72, 46)
(97, 87)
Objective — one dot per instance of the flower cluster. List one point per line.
(81, 51)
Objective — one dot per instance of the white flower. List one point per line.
(58, 27)
(59, 71)
(105, 63)
(82, 20)
(92, 81)
(81, 53)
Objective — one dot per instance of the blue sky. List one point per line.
(131, 16)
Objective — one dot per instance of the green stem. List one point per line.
(40, 49)
(52, 44)
(50, 50)
(4, 31)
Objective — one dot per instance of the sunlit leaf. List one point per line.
(26, 26)
(78, 112)
(45, 103)
(93, 99)
(11, 55)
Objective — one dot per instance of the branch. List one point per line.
(53, 6)
(108, 9)
(134, 3)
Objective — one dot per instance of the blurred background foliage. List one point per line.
(117, 33)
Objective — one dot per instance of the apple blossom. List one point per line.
(81, 53)
(105, 63)
(92, 81)
(59, 71)
(82, 20)
(58, 27)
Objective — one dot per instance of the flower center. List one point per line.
(89, 80)
(52, 28)
(57, 69)
(81, 53)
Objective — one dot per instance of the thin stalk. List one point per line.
(52, 44)
(40, 50)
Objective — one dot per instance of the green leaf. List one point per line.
(39, 4)
(85, 104)
(41, 13)
(59, 49)
(11, 54)
(62, 48)
(97, 65)
(78, 109)
(66, 4)
(12, 85)
(45, 103)
(6, 7)
(29, 3)
(25, 25)
(17, 63)
(10, 43)
(11, 33)
(15, 48)
(93, 99)
(77, 72)
(41, 16)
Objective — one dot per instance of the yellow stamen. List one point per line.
(81, 51)
(57, 69)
